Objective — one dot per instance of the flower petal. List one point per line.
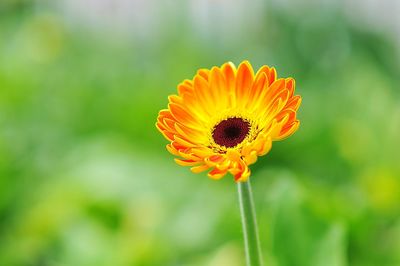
(216, 173)
(244, 82)
(199, 169)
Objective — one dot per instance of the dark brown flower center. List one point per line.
(231, 132)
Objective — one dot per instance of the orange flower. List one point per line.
(224, 118)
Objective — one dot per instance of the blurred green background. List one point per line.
(84, 175)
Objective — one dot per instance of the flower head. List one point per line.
(224, 118)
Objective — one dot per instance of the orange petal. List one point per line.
(294, 103)
(224, 165)
(189, 133)
(202, 152)
(276, 104)
(204, 73)
(259, 142)
(183, 116)
(266, 147)
(202, 92)
(186, 162)
(184, 142)
(216, 173)
(268, 97)
(167, 134)
(260, 85)
(243, 174)
(195, 106)
(187, 154)
(251, 157)
(290, 85)
(269, 71)
(229, 70)
(164, 113)
(218, 87)
(272, 75)
(175, 99)
(244, 82)
(172, 150)
(290, 114)
(184, 88)
(274, 89)
(169, 124)
(199, 169)
(288, 130)
(213, 160)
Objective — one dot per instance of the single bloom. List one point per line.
(224, 118)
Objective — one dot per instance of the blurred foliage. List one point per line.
(85, 178)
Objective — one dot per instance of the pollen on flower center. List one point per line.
(231, 132)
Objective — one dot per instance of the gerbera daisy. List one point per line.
(224, 118)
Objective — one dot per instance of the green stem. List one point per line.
(249, 222)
